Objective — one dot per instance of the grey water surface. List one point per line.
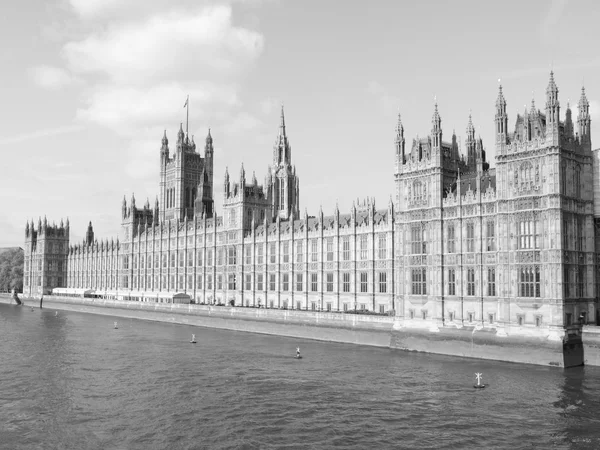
(72, 381)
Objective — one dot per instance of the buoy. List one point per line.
(478, 385)
(193, 341)
(56, 313)
(116, 327)
(298, 353)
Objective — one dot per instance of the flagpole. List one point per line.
(187, 121)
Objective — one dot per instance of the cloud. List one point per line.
(388, 102)
(548, 24)
(40, 134)
(167, 45)
(50, 77)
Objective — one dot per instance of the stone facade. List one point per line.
(510, 249)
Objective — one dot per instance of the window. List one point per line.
(329, 282)
(529, 281)
(452, 282)
(451, 239)
(190, 282)
(298, 305)
(272, 283)
(314, 284)
(190, 258)
(346, 248)
(490, 234)
(581, 282)
(580, 237)
(148, 262)
(286, 252)
(259, 282)
(330, 249)
(538, 321)
(364, 282)
(470, 237)
(313, 306)
(382, 282)
(566, 282)
(490, 318)
(248, 278)
(418, 244)
(363, 247)
(172, 258)
(419, 281)
(470, 281)
(232, 256)
(219, 282)
(346, 282)
(299, 255)
(491, 282)
(220, 256)
(528, 232)
(382, 247)
(345, 307)
(198, 282)
(248, 255)
(259, 253)
(209, 258)
(328, 306)
(451, 316)
(314, 250)
(181, 259)
(273, 252)
(299, 282)
(286, 282)
(381, 309)
(231, 285)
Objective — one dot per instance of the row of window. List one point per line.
(529, 282)
(271, 283)
(471, 317)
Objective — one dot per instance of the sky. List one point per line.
(89, 86)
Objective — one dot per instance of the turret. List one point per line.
(583, 119)
(164, 149)
(226, 186)
(180, 138)
(242, 177)
(569, 122)
(26, 229)
(436, 129)
(552, 104)
(501, 119)
(470, 143)
(124, 208)
(400, 143)
(89, 235)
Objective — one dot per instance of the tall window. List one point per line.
(563, 178)
(299, 282)
(346, 282)
(231, 282)
(419, 281)
(364, 282)
(470, 237)
(529, 281)
(581, 282)
(363, 247)
(382, 282)
(198, 282)
(418, 244)
(329, 282)
(565, 234)
(330, 249)
(314, 284)
(272, 284)
(273, 252)
(577, 182)
(471, 282)
(451, 281)
(491, 282)
(580, 234)
(299, 254)
(566, 282)
(220, 282)
(248, 255)
(382, 247)
(491, 236)
(286, 282)
(209, 257)
(346, 248)
(451, 239)
(528, 231)
(286, 252)
(220, 258)
(259, 254)
(248, 278)
(232, 257)
(314, 250)
(259, 282)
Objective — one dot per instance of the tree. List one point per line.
(11, 269)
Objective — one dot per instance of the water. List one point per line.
(72, 381)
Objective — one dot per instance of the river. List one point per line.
(72, 381)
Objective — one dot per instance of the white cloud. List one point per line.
(50, 77)
(167, 45)
(37, 134)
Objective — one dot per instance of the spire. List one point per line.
(242, 176)
(399, 129)
(180, 134)
(470, 128)
(209, 138)
(436, 129)
(193, 143)
(583, 102)
(254, 182)
(436, 119)
(282, 123)
(552, 88)
(165, 141)
(500, 101)
(532, 111)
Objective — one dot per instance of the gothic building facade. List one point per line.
(510, 248)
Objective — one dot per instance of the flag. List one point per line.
(186, 101)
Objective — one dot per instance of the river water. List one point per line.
(72, 381)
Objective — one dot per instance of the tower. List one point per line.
(583, 121)
(284, 183)
(501, 120)
(552, 112)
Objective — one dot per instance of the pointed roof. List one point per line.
(470, 127)
(436, 119)
(209, 138)
(583, 101)
(551, 84)
(500, 100)
(282, 123)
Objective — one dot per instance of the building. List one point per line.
(510, 248)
